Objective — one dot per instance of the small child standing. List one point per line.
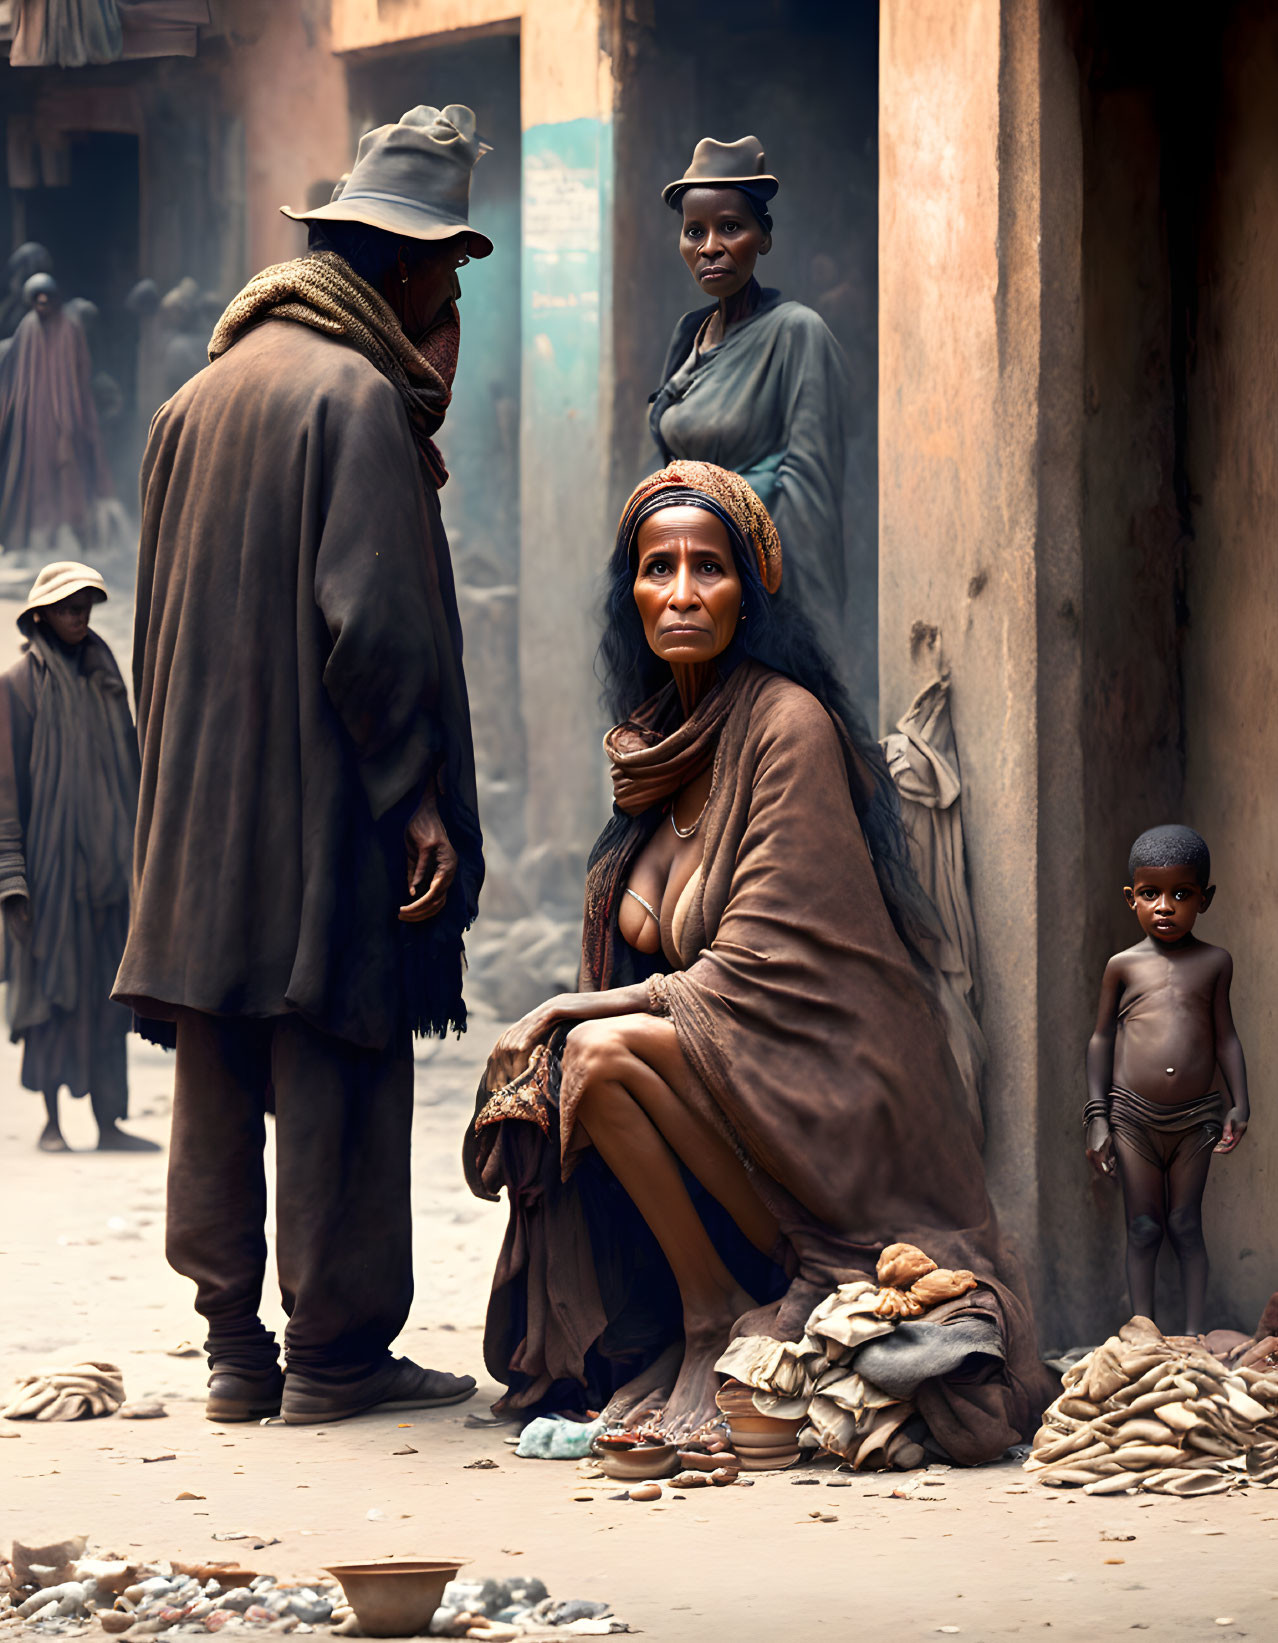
(1163, 1028)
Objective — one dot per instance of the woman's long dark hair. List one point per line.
(778, 634)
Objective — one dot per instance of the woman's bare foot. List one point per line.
(52, 1139)
(635, 1403)
(692, 1407)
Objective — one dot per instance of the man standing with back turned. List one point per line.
(308, 850)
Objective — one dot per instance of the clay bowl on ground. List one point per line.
(734, 1397)
(396, 1598)
(631, 1460)
(758, 1425)
(768, 1460)
(745, 1443)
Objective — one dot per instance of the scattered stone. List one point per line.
(115, 1620)
(46, 1565)
(481, 1465)
(150, 1460)
(142, 1411)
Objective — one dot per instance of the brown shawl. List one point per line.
(821, 1057)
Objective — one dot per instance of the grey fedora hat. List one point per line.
(412, 179)
(724, 165)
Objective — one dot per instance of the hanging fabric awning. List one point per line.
(74, 33)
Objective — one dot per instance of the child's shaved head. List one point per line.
(1171, 846)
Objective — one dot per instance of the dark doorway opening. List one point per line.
(91, 226)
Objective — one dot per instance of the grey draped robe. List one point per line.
(771, 403)
(68, 798)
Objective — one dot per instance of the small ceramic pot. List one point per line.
(768, 1460)
(631, 1461)
(396, 1599)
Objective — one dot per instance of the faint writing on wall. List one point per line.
(561, 206)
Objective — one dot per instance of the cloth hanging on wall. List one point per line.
(74, 33)
(923, 758)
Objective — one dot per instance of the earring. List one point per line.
(403, 275)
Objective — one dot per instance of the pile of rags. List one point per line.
(864, 1353)
(1161, 1414)
(82, 1389)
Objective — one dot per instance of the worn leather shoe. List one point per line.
(399, 1384)
(237, 1397)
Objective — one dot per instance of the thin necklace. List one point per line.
(687, 832)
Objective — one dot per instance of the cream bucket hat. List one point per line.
(57, 582)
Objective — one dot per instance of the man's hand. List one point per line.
(432, 863)
(17, 917)
(1235, 1129)
(1100, 1147)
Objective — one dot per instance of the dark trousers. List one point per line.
(343, 1121)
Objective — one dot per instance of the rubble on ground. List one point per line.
(56, 1591)
(501, 1610)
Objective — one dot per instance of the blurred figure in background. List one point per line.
(56, 492)
(27, 260)
(68, 799)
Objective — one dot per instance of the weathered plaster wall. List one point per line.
(980, 567)
(362, 25)
(288, 92)
(1231, 671)
(565, 428)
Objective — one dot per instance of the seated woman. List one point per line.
(751, 1095)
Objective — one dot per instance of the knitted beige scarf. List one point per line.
(321, 290)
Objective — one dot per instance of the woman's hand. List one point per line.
(1100, 1147)
(512, 1050)
(431, 862)
(1235, 1129)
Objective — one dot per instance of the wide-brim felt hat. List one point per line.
(412, 179)
(724, 165)
(59, 581)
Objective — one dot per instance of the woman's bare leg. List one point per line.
(642, 1128)
(642, 1052)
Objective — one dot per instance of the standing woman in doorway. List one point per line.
(755, 383)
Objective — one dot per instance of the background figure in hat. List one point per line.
(755, 383)
(68, 798)
(308, 848)
(56, 493)
(29, 258)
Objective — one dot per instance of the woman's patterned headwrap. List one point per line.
(720, 491)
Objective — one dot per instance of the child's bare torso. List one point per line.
(1165, 1048)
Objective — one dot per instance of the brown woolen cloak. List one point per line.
(821, 1057)
(297, 672)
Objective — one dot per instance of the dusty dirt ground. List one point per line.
(980, 1556)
